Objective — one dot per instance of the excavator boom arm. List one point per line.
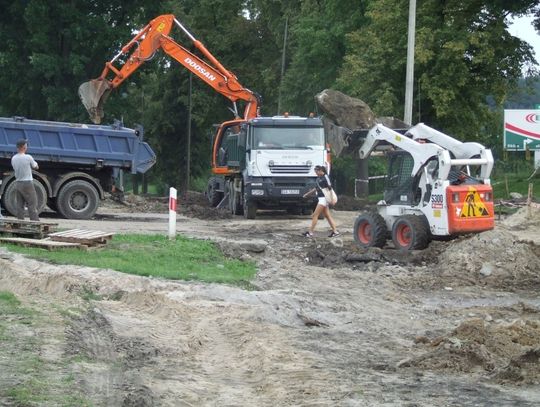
(143, 47)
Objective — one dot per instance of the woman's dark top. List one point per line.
(322, 182)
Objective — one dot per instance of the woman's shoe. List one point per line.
(307, 234)
(334, 234)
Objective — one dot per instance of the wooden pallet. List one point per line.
(83, 237)
(43, 243)
(28, 228)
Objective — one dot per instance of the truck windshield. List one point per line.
(305, 138)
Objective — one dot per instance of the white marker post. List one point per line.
(172, 213)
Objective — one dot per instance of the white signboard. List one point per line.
(522, 129)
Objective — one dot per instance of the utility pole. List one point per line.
(409, 80)
(282, 65)
(188, 164)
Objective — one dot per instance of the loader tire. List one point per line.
(410, 232)
(370, 230)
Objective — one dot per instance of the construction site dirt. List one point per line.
(323, 323)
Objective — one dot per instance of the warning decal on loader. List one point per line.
(473, 207)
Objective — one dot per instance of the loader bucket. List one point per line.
(93, 95)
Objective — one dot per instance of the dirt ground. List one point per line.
(326, 323)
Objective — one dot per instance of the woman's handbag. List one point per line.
(330, 196)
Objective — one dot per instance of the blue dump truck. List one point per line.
(78, 163)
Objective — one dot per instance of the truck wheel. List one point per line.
(77, 199)
(250, 209)
(214, 196)
(370, 230)
(409, 232)
(10, 201)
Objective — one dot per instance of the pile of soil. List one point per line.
(195, 205)
(192, 204)
(335, 253)
(505, 352)
(495, 259)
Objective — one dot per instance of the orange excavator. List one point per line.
(142, 48)
(253, 162)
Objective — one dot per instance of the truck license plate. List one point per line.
(290, 191)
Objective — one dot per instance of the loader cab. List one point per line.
(402, 188)
(398, 185)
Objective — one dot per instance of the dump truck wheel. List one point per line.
(409, 232)
(214, 196)
(77, 199)
(370, 230)
(9, 198)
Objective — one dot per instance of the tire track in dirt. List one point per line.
(332, 335)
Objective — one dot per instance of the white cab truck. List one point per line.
(270, 164)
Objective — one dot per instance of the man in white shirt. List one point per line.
(23, 164)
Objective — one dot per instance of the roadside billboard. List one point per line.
(522, 129)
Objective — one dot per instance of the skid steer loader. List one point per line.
(436, 187)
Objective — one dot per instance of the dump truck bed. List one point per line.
(84, 145)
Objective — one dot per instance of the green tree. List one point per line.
(48, 48)
(317, 48)
(464, 53)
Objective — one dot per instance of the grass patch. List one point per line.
(516, 183)
(8, 301)
(155, 256)
(26, 379)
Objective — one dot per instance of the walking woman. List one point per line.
(322, 206)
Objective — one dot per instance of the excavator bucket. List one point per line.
(93, 95)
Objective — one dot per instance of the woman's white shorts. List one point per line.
(322, 201)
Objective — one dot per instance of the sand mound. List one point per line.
(494, 259)
(504, 352)
(523, 218)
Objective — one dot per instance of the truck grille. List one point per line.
(290, 169)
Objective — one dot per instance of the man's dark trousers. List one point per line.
(26, 193)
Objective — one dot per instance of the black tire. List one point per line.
(214, 196)
(410, 232)
(9, 199)
(250, 209)
(370, 230)
(77, 199)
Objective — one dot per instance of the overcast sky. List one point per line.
(523, 28)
